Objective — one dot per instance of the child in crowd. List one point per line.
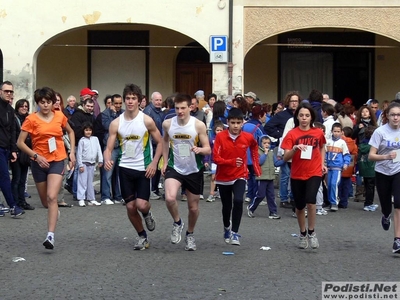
(345, 185)
(218, 127)
(89, 152)
(230, 156)
(328, 114)
(337, 158)
(268, 162)
(366, 168)
(320, 195)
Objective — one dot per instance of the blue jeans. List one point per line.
(345, 186)
(284, 183)
(265, 189)
(5, 183)
(252, 185)
(106, 178)
(19, 174)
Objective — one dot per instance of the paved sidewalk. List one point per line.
(94, 257)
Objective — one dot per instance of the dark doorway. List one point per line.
(332, 66)
(351, 77)
(193, 70)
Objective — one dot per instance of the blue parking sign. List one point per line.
(218, 48)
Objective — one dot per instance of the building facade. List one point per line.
(341, 49)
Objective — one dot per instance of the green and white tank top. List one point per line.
(134, 139)
(182, 140)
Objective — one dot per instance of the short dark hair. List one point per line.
(347, 131)
(328, 108)
(265, 137)
(46, 93)
(235, 113)
(132, 89)
(337, 125)
(319, 125)
(315, 96)
(6, 82)
(169, 102)
(106, 98)
(86, 125)
(179, 98)
(369, 130)
(212, 95)
(115, 96)
(89, 100)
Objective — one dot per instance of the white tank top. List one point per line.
(134, 139)
(183, 138)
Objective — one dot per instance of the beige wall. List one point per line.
(261, 72)
(65, 68)
(387, 67)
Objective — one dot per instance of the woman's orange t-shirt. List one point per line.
(41, 132)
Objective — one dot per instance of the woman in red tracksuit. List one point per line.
(231, 159)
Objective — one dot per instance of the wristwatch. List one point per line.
(35, 156)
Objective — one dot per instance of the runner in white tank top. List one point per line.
(134, 139)
(182, 139)
(136, 165)
(182, 155)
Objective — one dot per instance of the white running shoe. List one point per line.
(82, 203)
(107, 202)
(94, 203)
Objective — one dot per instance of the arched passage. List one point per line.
(193, 70)
(106, 57)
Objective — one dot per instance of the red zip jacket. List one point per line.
(227, 150)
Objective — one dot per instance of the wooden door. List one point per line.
(193, 77)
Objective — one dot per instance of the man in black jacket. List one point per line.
(275, 128)
(82, 114)
(8, 146)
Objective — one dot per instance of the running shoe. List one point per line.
(154, 196)
(94, 203)
(190, 243)
(227, 235)
(210, 198)
(150, 222)
(249, 212)
(141, 244)
(176, 233)
(313, 240)
(16, 211)
(107, 202)
(303, 242)
(321, 212)
(49, 243)
(385, 222)
(370, 207)
(235, 239)
(396, 246)
(274, 216)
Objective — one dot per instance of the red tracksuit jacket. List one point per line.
(227, 150)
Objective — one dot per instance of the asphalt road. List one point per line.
(94, 257)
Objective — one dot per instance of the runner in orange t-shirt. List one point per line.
(46, 130)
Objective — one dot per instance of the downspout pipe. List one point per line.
(230, 39)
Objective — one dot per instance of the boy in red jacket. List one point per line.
(345, 184)
(231, 159)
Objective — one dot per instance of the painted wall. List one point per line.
(21, 42)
